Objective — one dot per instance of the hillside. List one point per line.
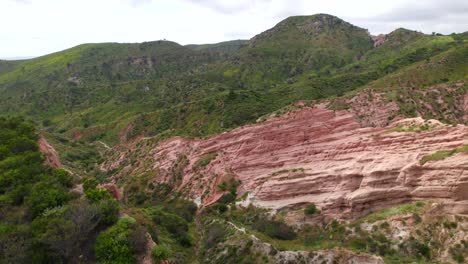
(226, 47)
(99, 89)
(312, 142)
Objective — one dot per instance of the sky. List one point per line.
(37, 27)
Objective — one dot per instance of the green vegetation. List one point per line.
(121, 242)
(274, 229)
(311, 209)
(159, 253)
(443, 154)
(162, 88)
(370, 234)
(42, 221)
(204, 161)
(393, 211)
(222, 47)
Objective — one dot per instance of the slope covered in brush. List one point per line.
(196, 90)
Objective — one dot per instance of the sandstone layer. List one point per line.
(311, 155)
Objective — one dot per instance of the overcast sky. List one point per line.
(38, 27)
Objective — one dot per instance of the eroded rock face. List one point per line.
(314, 155)
(51, 157)
(379, 40)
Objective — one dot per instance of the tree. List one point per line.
(113, 245)
(65, 229)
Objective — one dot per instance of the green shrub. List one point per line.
(205, 160)
(63, 177)
(109, 210)
(174, 224)
(183, 208)
(275, 229)
(112, 245)
(65, 229)
(97, 194)
(226, 198)
(214, 235)
(160, 252)
(222, 208)
(93, 193)
(311, 209)
(46, 195)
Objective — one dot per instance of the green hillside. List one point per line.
(226, 46)
(161, 87)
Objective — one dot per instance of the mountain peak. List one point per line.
(310, 26)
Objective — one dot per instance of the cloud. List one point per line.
(431, 15)
(61, 25)
(428, 10)
(230, 7)
(140, 2)
(22, 1)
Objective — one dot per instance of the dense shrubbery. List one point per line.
(113, 245)
(41, 220)
(160, 252)
(177, 226)
(275, 229)
(24, 180)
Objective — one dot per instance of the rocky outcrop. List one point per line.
(312, 155)
(51, 157)
(379, 40)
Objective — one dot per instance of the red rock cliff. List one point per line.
(316, 155)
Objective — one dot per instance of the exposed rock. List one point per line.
(51, 157)
(315, 155)
(379, 40)
(145, 258)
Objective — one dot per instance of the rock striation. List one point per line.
(50, 155)
(313, 155)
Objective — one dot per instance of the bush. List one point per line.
(65, 229)
(226, 198)
(175, 224)
(214, 235)
(109, 210)
(183, 208)
(275, 229)
(222, 208)
(311, 209)
(93, 193)
(160, 252)
(46, 195)
(112, 245)
(63, 177)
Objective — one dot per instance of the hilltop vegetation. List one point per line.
(198, 90)
(161, 87)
